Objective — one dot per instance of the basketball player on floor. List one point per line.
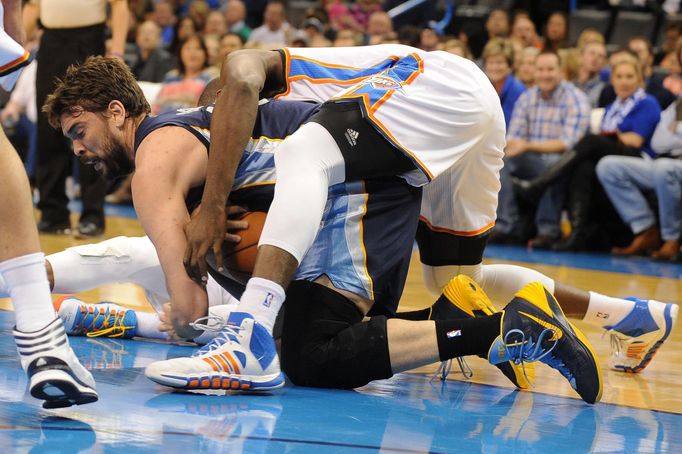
(92, 152)
(100, 107)
(54, 373)
(427, 117)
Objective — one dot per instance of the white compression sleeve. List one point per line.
(120, 259)
(499, 281)
(308, 163)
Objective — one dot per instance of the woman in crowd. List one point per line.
(498, 60)
(183, 86)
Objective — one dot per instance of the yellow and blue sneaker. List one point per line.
(534, 328)
(241, 357)
(636, 339)
(94, 320)
(466, 299)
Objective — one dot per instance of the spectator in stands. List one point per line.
(183, 86)
(497, 24)
(589, 35)
(626, 130)
(641, 47)
(347, 38)
(673, 81)
(198, 10)
(626, 180)
(523, 31)
(666, 58)
(212, 43)
(498, 59)
(165, 18)
(457, 47)
(152, 62)
(429, 39)
(215, 24)
(275, 29)
(229, 42)
(378, 25)
(592, 60)
(235, 15)
(556, 31)
(361, 10)
(524, 64)
(547, 121)
(313, 28)
(184, 28)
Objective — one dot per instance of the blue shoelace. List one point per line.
(524, 350)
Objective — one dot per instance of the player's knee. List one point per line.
(325, 343)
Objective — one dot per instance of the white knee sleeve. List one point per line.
(120, 259)
(500, 281)
(307, 163)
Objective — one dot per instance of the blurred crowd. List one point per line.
(593, 134)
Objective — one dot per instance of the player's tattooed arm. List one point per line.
(244, 76)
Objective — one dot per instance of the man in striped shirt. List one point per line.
(548, 119)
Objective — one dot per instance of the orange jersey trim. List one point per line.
(456, 232)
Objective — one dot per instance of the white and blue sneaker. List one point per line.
(636, 339)
(242, 357)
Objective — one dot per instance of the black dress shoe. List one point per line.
(89, 229)
(54, 228)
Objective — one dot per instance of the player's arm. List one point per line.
(170, 161)
(244, 75)
(119, 27)
(13, 20)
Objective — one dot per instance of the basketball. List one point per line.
(241, 257)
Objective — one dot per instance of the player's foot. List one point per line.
(534, 328)
(54, 373)
(636, 339)
(468, 300)
(93, 320)
(242, 357)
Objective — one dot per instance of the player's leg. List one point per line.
(308, 162)
(54, 372)
(337, 349)
(627, 319)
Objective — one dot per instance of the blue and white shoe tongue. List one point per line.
(498, 353)
(236, 318)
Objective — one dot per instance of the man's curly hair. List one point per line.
(91, 86)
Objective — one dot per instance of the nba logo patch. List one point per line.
(267, 302)
(454, 333)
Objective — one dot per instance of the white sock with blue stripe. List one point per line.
(605, 310)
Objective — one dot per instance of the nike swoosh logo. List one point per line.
(557, 332)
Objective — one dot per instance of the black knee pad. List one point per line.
(326, 344)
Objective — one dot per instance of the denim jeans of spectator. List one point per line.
(548, 214)
(625, 179)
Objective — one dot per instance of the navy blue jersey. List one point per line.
(256, 171)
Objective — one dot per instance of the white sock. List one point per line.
(29, 289)
(605, 310)
(222, 311)
(148, 326)
(262, 299)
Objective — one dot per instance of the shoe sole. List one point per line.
(59, 390)
(670, 316)
(217, 382)
(558, 314)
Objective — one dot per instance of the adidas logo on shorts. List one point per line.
(352, 136)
